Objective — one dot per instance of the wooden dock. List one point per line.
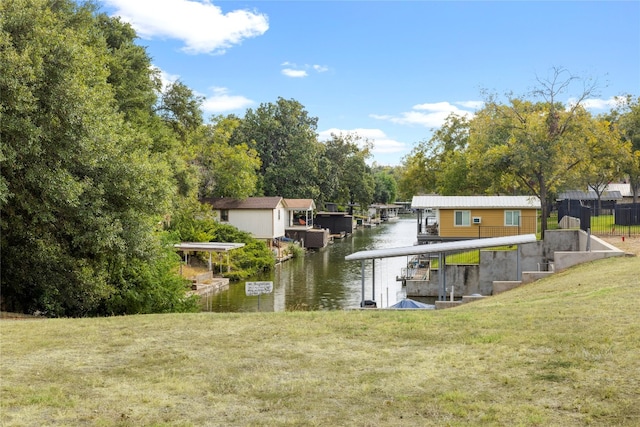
(421, 273)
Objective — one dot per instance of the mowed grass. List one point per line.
(562, 351)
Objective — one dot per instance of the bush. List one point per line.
(295, 250)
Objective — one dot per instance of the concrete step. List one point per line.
(500, 286)
(447, 304)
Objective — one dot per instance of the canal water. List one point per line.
(323, 280)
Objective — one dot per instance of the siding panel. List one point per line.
(489, 218)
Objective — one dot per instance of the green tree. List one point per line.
(359, 181)
(537, 146)
(171, 119)
(440, 164)
(626, 117)
(226, 170)
(82, 192)
(346, 177)
(135, 82)
(284, 135)
(607, 155)
(385, 187)
(181, 109)
(417, 178)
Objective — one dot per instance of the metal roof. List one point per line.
(624, 189)
(208, 246)
(590, 195)
(461, 245)
(384, 205)
(452, 202)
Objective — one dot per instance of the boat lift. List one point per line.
(441, 249)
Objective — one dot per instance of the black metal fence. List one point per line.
(624, 220)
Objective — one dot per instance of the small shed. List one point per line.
(625, 191)
(262, 217)
(337, 223)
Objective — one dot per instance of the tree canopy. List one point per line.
(346, 178)
(626, 121)
(82, 192)
(527, 145)
(284, 136)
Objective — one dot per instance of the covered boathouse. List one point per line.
(441, 249)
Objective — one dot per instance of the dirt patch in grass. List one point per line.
(630, 245)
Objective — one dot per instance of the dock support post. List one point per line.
(518, 266)
(373, 281)
(362, 280)
(442, 293)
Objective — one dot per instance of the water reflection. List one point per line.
(324, 280)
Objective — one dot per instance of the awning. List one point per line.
(210, 247)
(461, 245)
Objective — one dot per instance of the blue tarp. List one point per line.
(409, 303)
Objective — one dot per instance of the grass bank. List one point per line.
(561, 351)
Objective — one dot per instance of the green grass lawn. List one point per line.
(468, 257)
(605, 224)
(563, 351)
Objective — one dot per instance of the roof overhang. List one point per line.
(207, 246)
(475, 202)
(461, 245)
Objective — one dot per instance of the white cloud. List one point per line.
(221, 101)
(295, 71)
(290, 72)
(202, 26)
(381, 142)
(475, 105)
(596, 104)
(431, 115)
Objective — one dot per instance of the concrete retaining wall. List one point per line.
(463, 278)
(565, 260)
(599, 249)
(498, 270)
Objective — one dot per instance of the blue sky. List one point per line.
(390, 71)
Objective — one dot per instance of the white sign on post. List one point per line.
(258, 288)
